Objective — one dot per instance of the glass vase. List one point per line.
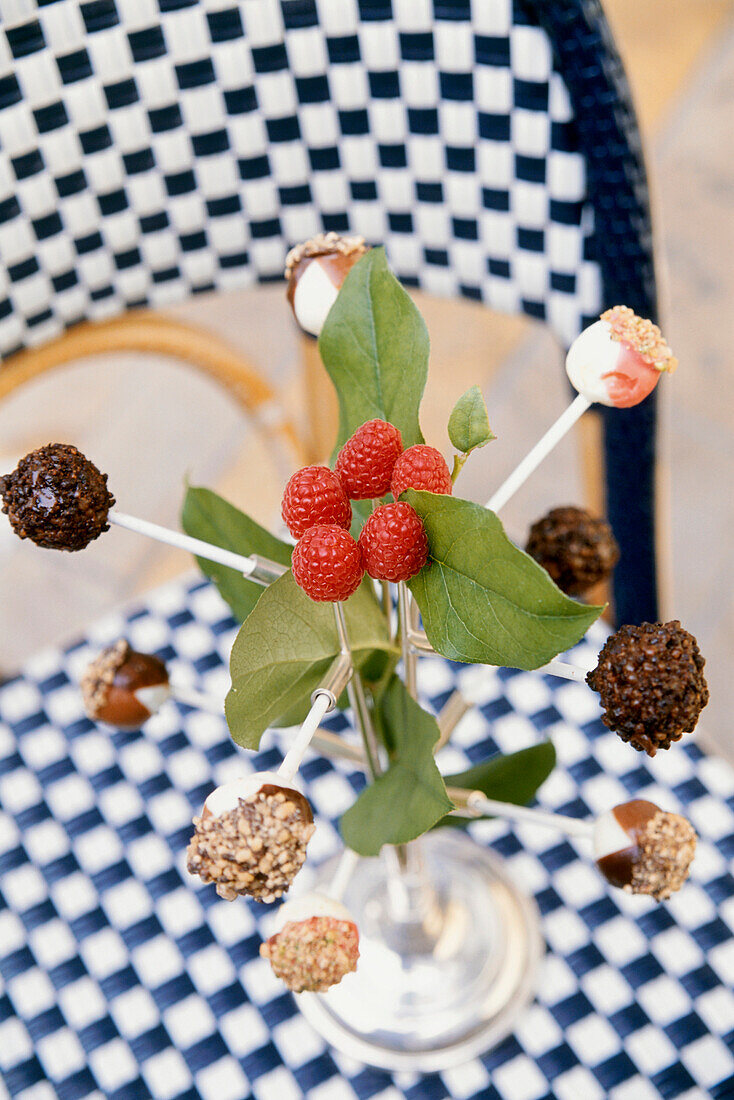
(449, 953)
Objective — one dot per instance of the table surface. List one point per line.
(122, 978)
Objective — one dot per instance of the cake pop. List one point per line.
(57, 498)
(124, 688)
(643, 849)
(316, 944)
(251, 837)
(619, 359)
(315, 271)
(651, 684)
(575, 548)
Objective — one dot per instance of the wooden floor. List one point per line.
(152, 424)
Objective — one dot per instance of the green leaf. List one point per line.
(410, 797)
(284, 648)
(211, 518)
(469, 423)
(515, 777)
(482, 599)
(374, 346)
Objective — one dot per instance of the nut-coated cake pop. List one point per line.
(619, 359)
(315, 946)
(57, 498)
(315, 271)
(251, 837)
(577, 550)
(124, 688)
(651, 684)
(643, 849)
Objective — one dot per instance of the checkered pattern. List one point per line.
(122, 977)
(148, 151)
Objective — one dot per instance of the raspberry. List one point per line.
(421, 467)
(327, 563)
(315, 495)
(394, 543)
(365, 462)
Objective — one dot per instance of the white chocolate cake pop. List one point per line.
(643, 849)
(315, 271)
(316, 943)
(124, 688)
(619, 359)
(251, 837)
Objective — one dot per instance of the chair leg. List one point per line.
(321, 405)
(629, 452)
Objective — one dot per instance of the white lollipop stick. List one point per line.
(542, 448)
(572, 826)
(190, 697)
(255, 568)
(343, 874)
(322, 703)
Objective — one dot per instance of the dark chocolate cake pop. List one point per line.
(577, 549)
(57, 498)
(315, 271)
(651, 684)
(124, 688)
(644, 849)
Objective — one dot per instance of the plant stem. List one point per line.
(358, 700)
(410, 659)
(459, 460)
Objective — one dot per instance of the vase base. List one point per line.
(436, 990)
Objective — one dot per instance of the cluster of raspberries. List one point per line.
(328, 563)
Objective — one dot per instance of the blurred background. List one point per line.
(151, 423)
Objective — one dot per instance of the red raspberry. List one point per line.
(327, 563)
(394, 543)
(421, 467)
(315, 495)
(365, 462)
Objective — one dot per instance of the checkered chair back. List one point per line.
(148, 152)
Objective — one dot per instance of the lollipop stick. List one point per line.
(542, 448)
(343, 874)
(254, 567)
(190, 697)
(476, 802)
(321, 704)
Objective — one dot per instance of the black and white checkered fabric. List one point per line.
(122, 978)
(151, 150)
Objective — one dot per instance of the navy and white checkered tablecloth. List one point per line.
(122, 978)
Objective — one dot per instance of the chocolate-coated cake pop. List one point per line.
(316, 945)
(651, 684)
(124, 688)
(57, 498)
(643, 849)
(577, 549)
(619, 359)
(315, 271)
(251, 837)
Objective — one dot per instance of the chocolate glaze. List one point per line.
(335, 265)
(122, 708)
(57, 498)
(302, 803)
(633, 816)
